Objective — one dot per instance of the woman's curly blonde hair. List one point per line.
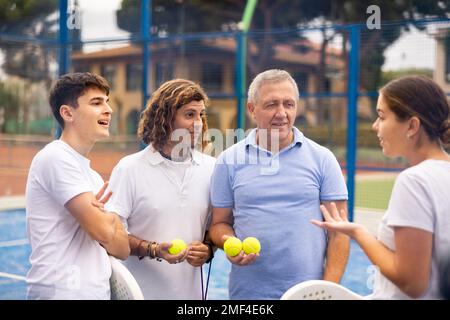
(156, 122)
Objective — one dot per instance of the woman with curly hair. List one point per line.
(162, 193)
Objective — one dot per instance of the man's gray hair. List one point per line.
(269, 76)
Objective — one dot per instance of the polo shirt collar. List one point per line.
(196, 156)
(298, 137)
(155, 158)
(250, 140)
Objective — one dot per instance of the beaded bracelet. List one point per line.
(151, 249)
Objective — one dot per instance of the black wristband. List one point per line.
(211, 248)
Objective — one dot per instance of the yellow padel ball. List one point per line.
(251, 245)
(232, 246)
(178, 245)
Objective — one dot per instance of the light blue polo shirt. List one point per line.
(274, 197)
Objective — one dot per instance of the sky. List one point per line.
(99, 19)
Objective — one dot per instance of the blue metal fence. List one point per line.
(352, 121)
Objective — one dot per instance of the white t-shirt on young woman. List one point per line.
(420, 199)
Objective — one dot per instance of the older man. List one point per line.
(269, 186)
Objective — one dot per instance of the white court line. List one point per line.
(13, 243)
(12, 203)
(12, 276)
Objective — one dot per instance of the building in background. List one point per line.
(211, 63)
(442, 63)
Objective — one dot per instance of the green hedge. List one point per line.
(42, 126)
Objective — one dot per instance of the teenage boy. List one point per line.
(69, 232)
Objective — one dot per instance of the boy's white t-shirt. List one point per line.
(66, 263)
(161, 200)
(420, 199)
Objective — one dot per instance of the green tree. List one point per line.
(34, 19)
(168, 17)
(9, 109)
(391, 75)
(27, 18)
(24, 58)
(374, 42)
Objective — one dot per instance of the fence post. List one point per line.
(241, 63)
(240, 79)
(63, 50)
(146, 7)
(146, 22)
(352, 115)
(63, 37)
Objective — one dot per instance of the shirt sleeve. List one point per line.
(208, 219)
(410, 204)
(221, 192)
(121, 201)
(63, 178)
(333, 185)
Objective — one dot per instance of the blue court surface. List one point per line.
(15, 250)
